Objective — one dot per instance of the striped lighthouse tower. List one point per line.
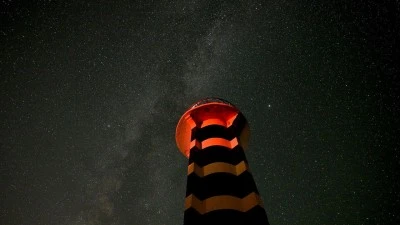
(213, 134)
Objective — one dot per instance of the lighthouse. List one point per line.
(213, 135)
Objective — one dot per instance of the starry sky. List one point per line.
(91, 92)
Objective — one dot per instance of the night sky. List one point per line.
(91, 92)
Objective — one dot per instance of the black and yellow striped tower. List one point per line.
(220, 188)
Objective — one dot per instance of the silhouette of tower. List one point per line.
(213, 134)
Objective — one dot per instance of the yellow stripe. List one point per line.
(225, 122)
(223, 202)
(213, 121)
(214, 142)
(217, 167)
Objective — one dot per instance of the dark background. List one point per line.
(91, 91)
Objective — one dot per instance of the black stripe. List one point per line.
(217, 154)
(213, 131)
(216, 130)
(255, 216)
(238, 124)
(220, 184)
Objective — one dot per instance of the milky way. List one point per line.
(91, 91)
